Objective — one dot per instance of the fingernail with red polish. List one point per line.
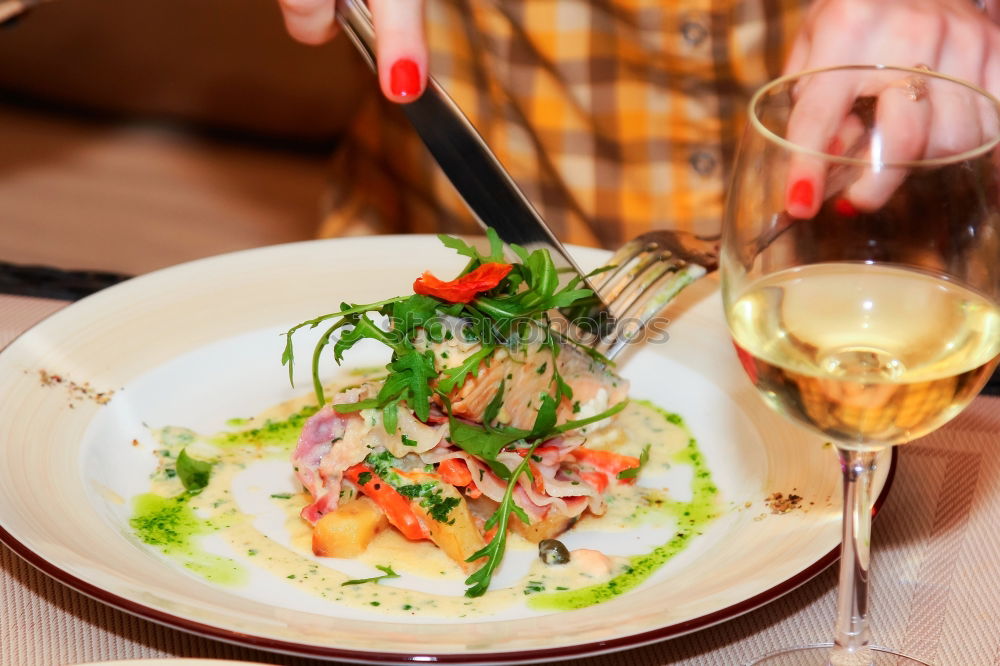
(844, 207)
(404, 78)
(801, 193)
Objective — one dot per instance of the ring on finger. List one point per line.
(915, 87)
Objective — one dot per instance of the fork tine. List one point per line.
(632, 320)
(621, 262)
(621, 283)
(648, 273)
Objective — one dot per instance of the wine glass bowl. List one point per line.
(861, 275)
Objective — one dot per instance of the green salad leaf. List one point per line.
(193, 473)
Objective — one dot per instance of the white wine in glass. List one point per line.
(861, 278)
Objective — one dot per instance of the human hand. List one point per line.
(401, 48)
(948, 36)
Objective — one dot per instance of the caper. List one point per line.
(552, 551)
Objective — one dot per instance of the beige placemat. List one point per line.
(935, 587)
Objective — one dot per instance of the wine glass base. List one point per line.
(819, 655)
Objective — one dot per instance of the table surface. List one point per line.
(935, 582)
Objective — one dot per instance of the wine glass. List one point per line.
(861, 278)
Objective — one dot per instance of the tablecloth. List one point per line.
(935, 584)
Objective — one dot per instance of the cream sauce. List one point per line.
(272, 436)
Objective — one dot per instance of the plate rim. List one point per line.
(327, 652)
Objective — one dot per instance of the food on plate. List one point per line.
(400, 489)
(477, 426)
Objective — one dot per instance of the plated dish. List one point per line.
(93, 391)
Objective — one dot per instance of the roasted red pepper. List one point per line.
(454, 471)
(395, 506)
(462, 289)
(608, 462)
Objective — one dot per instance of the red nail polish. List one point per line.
(836, 146)
(404, 78)
(845, 207)
(801, 193)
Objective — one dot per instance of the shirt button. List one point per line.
(694, 32)
(703, 163)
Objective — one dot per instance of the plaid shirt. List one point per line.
(613, 116)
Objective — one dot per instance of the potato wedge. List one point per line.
(548, 528)
(459, 537)
(347, 531)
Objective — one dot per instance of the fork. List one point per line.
(638, 282)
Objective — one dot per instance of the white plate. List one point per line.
(198, 343)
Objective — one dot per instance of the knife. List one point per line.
(480, 179)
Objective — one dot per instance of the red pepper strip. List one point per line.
(396, 507)
(462, 289)
(537, 480)
(599, 480)
(606, 461)
(454, 471)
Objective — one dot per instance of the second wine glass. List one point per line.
(861, 277)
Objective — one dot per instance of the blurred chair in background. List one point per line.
(136, 135)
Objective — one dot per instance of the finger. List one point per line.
(900, 134)
(798, 55)
(957, 123)
(309, 21)
(989, 121)
(817, 116)
(991, 66)
(846, 141)
(401, 48)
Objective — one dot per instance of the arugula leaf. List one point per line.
(466, 250)
(364, 328)
(579, 423)
(386, 570)
(493, 408)
(193, 473)
(317, 353)
(486, 444)
(454, 378)
(349, 407)
(390, 418)
(479, 582)
(414, 312)
(545, 418)
(459, 246)
(416, 370)
(288, 353)
(633, 472)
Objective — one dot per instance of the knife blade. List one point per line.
(482, 182)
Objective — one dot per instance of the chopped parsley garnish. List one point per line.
(408, 442)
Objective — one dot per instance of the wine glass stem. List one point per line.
(851, 643)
